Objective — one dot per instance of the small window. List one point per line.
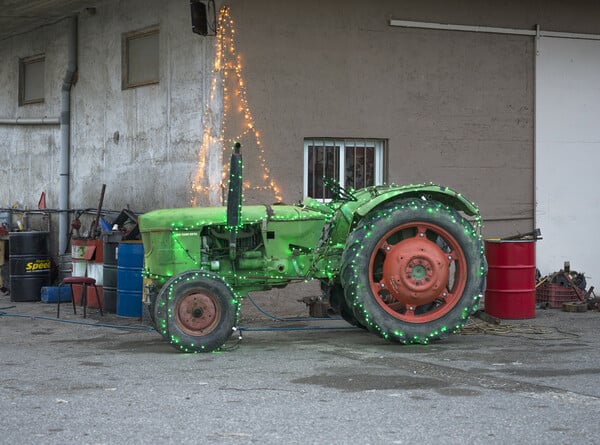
(140, 58)
(353, 163)
(31, 80)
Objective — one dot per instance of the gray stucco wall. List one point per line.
(455, 107)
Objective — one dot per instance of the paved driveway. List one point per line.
(528, 381)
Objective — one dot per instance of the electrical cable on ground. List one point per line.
(83, 323)
(306, 328)
(288, 319)
(240, 328)
(474, 327)
(274, 317)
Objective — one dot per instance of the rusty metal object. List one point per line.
(535, 235)
(197, 313)
(97, 219)
(574, 306)
(318, 308)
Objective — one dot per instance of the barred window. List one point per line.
(353, 163)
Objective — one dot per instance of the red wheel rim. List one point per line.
(197, 313)
(417, 272)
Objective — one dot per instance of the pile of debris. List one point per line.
(565, 289)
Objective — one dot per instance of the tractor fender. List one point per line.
(427, 192)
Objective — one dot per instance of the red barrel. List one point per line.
(510, 291)
(88, 256)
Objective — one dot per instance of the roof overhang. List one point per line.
(18, 16)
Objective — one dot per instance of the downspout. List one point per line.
(65, 136)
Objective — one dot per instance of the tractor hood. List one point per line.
(194, 217)
(197, 217)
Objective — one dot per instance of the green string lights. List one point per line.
(202, 292)
(382, 250)
(361, 259)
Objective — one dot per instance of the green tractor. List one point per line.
(403, 262)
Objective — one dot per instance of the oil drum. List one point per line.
(510, 290)
(130, 263)
(30, 264)
(109, 270)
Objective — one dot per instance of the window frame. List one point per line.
(125, 56)
(380, 149)
(23, 63)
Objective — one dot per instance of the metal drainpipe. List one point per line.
(65, 136)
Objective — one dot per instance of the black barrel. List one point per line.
(109, 272)
(30, 264)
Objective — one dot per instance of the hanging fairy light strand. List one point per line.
(227, 79)
(206, 184)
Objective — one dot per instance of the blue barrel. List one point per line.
(130, 262)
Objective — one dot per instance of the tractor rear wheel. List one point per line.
(413, 271)
(196, 311)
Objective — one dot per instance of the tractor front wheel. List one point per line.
(196, 311)
(413, 271)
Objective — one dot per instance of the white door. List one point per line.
(568, 155)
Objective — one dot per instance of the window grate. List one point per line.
(353, 163)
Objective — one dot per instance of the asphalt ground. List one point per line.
(112, 380)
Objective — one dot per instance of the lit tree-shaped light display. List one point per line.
(228, 118)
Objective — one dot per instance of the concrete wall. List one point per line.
(29, 154)
(455, 107)
(142, 142)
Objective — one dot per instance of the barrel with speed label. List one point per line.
(30, 264)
